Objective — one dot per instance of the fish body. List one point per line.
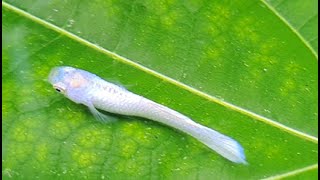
(88, 89)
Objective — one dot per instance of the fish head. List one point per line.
(65, 79)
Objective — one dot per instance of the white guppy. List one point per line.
(86, 88)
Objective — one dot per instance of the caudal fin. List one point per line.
(224, 145)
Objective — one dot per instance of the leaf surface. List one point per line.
(302, 16)
(219, 63)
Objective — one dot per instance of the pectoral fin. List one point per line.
(100, 116)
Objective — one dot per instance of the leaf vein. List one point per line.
(293, 173)
(308, 45)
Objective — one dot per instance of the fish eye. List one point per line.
(58, 89)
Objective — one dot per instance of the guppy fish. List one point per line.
(86, 88)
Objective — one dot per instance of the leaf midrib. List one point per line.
(127, 61)
(293, 172)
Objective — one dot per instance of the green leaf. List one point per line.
(310, 172)
(236, 68)
(302, 16)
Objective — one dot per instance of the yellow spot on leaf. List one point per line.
(21, 134)
(287, 86)
(42, 152)
(139, 134)
(245, 30)
(223, 11)
(94, 137)
(128, 148)
(19, 151)
(59, 129)
(84, 158)
(293, 68)
(213, 53)
(130, 128)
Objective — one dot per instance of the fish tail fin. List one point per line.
(224, 145)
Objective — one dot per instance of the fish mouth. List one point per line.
(57, 73)
(53, 75)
